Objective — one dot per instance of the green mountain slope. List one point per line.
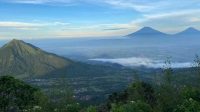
(23, 59)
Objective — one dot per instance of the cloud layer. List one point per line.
(146, 62)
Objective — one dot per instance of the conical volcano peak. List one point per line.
(20, 48)
(147, 28)
(19, 57)
(191, 29)
(15, 42)
(147, 32)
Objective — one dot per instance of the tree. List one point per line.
(188, 105)
(142, 91)
(91, 109)
(15, 95)
(190, 100)
(132, 106)
(168, 93)
(190, 92)
(197, 67)
(62, 97)
(167, 77)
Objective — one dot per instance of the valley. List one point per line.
(99, 56)
(92, 81)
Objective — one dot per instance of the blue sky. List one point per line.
(34, 19)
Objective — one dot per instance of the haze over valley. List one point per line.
(99, 56)
(137, 49)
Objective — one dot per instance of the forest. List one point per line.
(165, 95)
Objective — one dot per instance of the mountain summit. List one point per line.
(188, 31)
(146, 32)
(18, 57)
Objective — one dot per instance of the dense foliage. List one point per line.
(140, 96)
(16, 95)
(168, 96)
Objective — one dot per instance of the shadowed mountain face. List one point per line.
(147, 32)
(23, 59)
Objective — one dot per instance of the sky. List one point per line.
(36, 19)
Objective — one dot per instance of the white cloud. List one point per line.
(105, 26)
(166, 15)
(172, 14)
(129, 4)
(60, 29)
(39, 29)
(40, 1)
(170, 22)
(194, 19)
(18, 24)
(139, 61)
(88, 33)
(96, 30)
(59, 23)
(30, 26)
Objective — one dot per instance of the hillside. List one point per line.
(23, 59)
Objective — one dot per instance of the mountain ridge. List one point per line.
(24, 59)
(150, 32)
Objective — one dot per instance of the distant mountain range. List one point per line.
(24, 59)
(150, 32)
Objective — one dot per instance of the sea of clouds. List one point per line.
(147, 62)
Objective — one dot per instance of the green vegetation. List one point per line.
(172, 91)
(44, 70)
(167, 96)
(15, 95)
(132, 106)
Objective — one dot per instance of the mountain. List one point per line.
(24, 59)
(147, 32)
(188, 32)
